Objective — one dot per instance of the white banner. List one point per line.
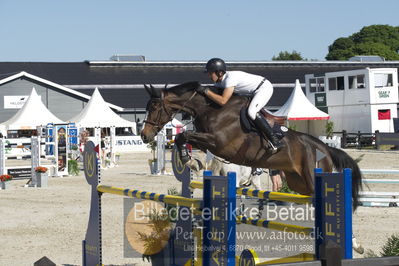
(15, 102)
(130, 143)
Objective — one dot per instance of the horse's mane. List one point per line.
(184, 87)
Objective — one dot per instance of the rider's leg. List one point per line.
(264, 126)
(260, 99)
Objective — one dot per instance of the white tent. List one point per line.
(298, 107)
(301, 114)
(32, 114)
(98, 114)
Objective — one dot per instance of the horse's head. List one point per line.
(165, 103)
(158, 114)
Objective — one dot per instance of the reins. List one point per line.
(181, 108)
(156, 124)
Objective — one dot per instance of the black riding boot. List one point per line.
(184, 155)
(265, 128)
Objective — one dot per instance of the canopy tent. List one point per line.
(301, 114)
(298, 107)
(97, 113)
(32, 114)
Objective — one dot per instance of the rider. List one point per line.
(242, 82)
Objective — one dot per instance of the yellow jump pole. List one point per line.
(264, 194)
(275, 225)
(169, 199)
(290, 259)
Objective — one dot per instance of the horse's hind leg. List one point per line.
(301, 183)
(325, 164)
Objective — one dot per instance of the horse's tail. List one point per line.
(342, 160)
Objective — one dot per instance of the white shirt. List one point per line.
(241, 81)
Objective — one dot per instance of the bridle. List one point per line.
(165, 109)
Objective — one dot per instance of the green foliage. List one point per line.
(383, 34)
(73, 167)
(160, 225)
(74, 147)
(381, 40)
(285, 188)
(391, 247)
(329, 129)
(172, 211)
(287, 56)
(380, 49)
(370, 254)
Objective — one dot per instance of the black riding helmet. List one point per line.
(215, 65)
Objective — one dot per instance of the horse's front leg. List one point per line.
(180, 142)
(202, 141)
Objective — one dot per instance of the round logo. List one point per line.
(284, 129)
(248, 258)
(90, 163)
(180, 170)
(148, 227)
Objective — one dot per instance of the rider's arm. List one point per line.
(221, 99)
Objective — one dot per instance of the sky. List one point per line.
(171, 30)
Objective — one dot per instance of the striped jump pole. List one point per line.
(275, 225)
(139, 194)
(264, 194)
(215, 242)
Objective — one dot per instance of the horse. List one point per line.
(245, 176)
(220, 130)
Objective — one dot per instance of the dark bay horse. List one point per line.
(219, 130)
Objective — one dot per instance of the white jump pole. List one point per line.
(35, 157)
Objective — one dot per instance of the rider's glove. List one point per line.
(202, 89)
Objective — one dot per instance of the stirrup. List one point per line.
(274, 148)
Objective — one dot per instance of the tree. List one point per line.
(287, 56)
(381, 40)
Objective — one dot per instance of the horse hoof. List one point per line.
(200, 165)
(245, 183)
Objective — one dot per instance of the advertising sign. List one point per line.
(333, 204)
(61, 152)
(130, 143)
(15, 102)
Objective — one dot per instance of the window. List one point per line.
(320, 84)
(332, 84)
(336, 83)
(316, 85)
(340, 83)
(383, 80)
(356, 82)
(169, 133)
(312, 85)
(124, 131)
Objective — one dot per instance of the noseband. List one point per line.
(156, 124)
(163, 108)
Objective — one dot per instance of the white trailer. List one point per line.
(363, 100)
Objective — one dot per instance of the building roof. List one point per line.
(121, 83)
(10, 77)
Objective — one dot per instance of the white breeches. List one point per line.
(260, 99)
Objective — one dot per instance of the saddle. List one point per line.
(275, 122)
